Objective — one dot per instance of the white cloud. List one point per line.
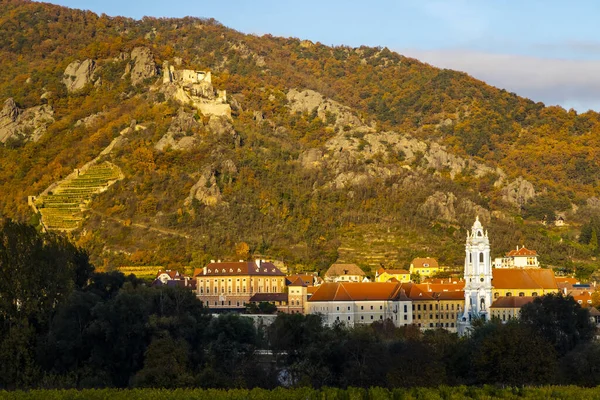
(569, 83)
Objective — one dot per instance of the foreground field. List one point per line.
(443, 392)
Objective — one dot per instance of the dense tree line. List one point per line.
(62, 325)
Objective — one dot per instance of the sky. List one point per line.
(546, 50)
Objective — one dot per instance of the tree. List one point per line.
(165, 365)
(511, 354)
(581, 366)
(560, 320)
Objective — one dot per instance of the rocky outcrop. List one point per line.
(24, 125)
(182, 133)
(593, 203)
(143, 66)
(206, 190)
(446, 207)
(439, 206)
(518, 192)
(329, 111)
(78, 74)
(312, 158)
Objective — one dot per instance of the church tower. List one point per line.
(478, 278)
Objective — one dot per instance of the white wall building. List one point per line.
(355, 303)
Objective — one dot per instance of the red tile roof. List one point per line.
(511, 301)
(522, 252)
(172, 273)
(518, 278)
(355, 291)
(420, 262)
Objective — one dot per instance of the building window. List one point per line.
(381, 317)
(338, 309)
(480, 254)
(348, 318)
(362, 308)
(371, 317)
(405, 317)
(348, 308)
(405, 308)
(430, 307)
(419, 307)
(521, 294)
(534, 294)
(508, 294)
(362, 317)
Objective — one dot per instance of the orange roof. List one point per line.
(426, 262)
(172, 273)
(443, 287)
(415, 292)
(521, 252)
(300, 280)
(311, 289)
(511, 301)
(396, 271)
(517, 278)
(584, 298)
(238, 268)
(446, 281)
(354, 291)
(344, 269)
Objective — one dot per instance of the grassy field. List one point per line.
(445, 393)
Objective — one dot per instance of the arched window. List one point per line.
(480, 257)
(521, 294)
(534, 294)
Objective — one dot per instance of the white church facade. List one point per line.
(478, 278)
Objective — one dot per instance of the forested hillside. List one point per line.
(357, 154)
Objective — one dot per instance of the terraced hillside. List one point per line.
(62, 208)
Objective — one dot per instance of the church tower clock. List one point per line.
(478, 278)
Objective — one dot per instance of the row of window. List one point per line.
(238, 279)
(229, 290)
(448, 307)
(437, 316)
(509, 294)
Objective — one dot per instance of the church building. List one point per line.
(478, 278)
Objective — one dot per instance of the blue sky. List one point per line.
(546, 50)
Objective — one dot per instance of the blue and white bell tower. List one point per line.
(478, 278)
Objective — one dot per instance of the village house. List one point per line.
(345, 273)
(354, 303)
(519, 258)
(426, 266)
(393, 275)
(230, 285)
(173, 278)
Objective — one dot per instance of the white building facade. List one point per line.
(478, 278)
(354, 303)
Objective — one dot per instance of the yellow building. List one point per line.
(434, 309)
(522, 282)
(385, 275)
(230, 285)
(506, 308)
(424, 266)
